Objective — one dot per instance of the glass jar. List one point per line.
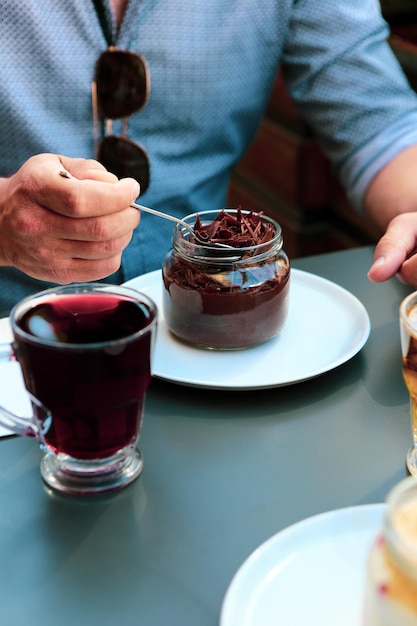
(225, 298)
(391, 593)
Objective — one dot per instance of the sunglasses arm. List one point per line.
(95, 117)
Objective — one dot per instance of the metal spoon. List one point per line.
(168, 217)
(140, 207)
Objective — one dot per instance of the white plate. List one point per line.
(13, 394)
(326, 327)
(310, 573)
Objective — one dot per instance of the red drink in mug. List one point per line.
(85, 353)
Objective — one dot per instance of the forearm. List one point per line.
(391, 203)
(393, 190)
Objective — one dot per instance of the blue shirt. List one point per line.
(212, 66)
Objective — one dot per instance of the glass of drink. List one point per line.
(391, 576)
(85, 353)
(408, 330)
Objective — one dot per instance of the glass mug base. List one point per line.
(65, 474)
(412, 461)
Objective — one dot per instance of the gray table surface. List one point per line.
(224, 471)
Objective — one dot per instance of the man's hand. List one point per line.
(391, 203)
(395, 251)
(62, 230)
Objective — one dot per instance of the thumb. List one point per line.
(395, 247)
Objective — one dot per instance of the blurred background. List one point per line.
(301, 192)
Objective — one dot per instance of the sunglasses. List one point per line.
(120, 88)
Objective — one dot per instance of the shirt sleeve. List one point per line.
(348, 85)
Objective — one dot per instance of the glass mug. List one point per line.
(391, 580)
(85, 353)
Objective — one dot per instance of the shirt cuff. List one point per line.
(359, 170)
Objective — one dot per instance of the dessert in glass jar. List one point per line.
(391, 592)
(229, 297)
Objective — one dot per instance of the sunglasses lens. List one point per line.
(122, 83)
(125, 158)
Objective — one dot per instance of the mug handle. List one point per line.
(6, 352)
(23, 426)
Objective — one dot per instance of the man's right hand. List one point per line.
(65, 230)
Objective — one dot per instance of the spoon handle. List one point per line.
(164, 215)
(182, 223)
(140, 207)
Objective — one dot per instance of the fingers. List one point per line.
(69, 261)
(91, 192)
(63, 261)
(90, 209)
(65, 271)
(408, 272)
(87, 168)
(394, 253)
(39, 224)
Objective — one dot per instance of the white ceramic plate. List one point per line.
(13, 394)
(326, 327)
(310, 573)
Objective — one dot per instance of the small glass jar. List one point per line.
(391, 592)
(225, 299)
